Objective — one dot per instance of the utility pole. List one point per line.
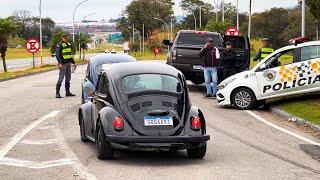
(200, 16)
(74, 12)
(238, 14)
(41, 49)
(142, 40)
(133, 34)
(303, 25)
(222, 10)
(171, 27)
(195, 21)
(317, 34)
(249, 26)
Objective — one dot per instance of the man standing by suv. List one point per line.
(228, 61)
(210, 55)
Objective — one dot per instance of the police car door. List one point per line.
(278, 76)
(308, 70)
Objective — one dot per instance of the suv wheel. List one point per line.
(243, 98)
(197, 81)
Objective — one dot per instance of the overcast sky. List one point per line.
(61, 10)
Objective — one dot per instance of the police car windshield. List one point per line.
(147, 82)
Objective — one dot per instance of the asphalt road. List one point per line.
(39, 139)
(27, 62)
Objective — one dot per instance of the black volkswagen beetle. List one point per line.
(93, 70)
(142, 106)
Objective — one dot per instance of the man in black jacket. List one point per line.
(228, 61)
(210, 56)
(65, 59)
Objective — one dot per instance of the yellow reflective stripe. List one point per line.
(267, 50)
(66, 57)
(68, 50)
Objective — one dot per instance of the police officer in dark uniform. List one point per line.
(64, 57)
(264, 51)
(228, 61)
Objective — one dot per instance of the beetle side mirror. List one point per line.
(167, 42)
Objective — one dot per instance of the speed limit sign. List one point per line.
(32, 45)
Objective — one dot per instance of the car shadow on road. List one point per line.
(197, 88)
(162, 158)
(147, 158)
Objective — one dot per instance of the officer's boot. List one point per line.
(58, 92)
(68, 93)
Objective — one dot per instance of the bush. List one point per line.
(256, 44)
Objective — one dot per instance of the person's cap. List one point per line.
(228, 43)
(265, 39)
(209, 40)
(64, 36)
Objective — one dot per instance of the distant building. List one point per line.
(90, 27)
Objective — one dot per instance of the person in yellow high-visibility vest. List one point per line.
(264, 51)
(65, 59)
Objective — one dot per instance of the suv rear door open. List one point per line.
(241, 45)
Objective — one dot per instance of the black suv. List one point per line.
(184, 52)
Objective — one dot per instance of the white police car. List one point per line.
(291, 70)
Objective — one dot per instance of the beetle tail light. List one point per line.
(195, 123)
(118, 123)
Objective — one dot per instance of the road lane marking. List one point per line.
(261, 119)
(38, 142)
(78, 167)
(34, 164)
(8, 146)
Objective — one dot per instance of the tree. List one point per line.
(314, 6)
(82, 41)
(7, 28)
(192, 7)
(215, 26)
(141, 12)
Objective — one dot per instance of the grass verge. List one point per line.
(149, 56)
(307, 108)
(30, 71)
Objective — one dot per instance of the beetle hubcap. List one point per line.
(243, 99)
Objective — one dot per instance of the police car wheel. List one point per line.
(243, 98)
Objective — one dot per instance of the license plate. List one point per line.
(158, 121)
(197, 67)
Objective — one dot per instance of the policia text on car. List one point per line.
(293, 84)
(64, 57)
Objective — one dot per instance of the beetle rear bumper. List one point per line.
(157, 139)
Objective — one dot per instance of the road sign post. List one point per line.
(33, 46)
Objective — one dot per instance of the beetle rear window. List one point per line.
(147, 82)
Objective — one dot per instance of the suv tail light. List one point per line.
(174, 55)
(118, 123)
(195, 123)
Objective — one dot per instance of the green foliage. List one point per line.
(28, 26)
(192, 7)
(7, 28)
(83, 40)
(141, 12)
(215, 26)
